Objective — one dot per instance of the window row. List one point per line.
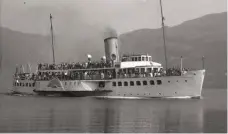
(140, 58)
(24, 84)
(137, 83)
(140, 70)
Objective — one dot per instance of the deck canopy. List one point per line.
(136, 57)
(133, 64)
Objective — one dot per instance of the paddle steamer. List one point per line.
(114, 76)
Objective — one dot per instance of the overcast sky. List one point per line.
(32, 16)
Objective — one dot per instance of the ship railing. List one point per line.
(47, 79)
(98, 76)
(87, 69)
(67, 66)
(78, 77)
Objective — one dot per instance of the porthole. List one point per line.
(131, 83)
(119, 83)
(151, 82)
(138, 83)
(177, 80)
(114, 84)
(144, 83)
(186, 81)
(159, 93)
(175, 92)
(159, 82)
(168, 81)
(125, 83)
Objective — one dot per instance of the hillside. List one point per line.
(192, 39)
(205, 36)
(23, 48)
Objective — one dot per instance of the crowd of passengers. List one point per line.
(100, 74)
(76, 75)
(25, 76)
(67, 66)
(175, 71)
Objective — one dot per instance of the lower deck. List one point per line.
(173, 86)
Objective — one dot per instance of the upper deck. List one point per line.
(138, 60)
(130, 66)
(128, 61)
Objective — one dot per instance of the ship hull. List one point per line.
(72, 93)
(25, 87)
(185, 86)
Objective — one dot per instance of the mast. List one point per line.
(163, 31)
(1, 47)
(203, 62)
(181, 66)
(52, 40)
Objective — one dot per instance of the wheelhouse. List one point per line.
(139, 63)
(127, 58)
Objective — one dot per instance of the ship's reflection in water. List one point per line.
(37, 114)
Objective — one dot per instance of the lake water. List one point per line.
(53, 114)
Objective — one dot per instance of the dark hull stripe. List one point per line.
(73, 93)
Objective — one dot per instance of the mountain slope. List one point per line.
(205, 36)
(21, 48)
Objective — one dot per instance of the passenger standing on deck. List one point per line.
(102, 75)
(85, 75)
